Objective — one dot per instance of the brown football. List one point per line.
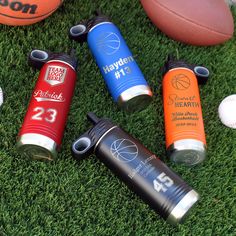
(196, 22)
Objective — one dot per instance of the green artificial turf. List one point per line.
(69, 198)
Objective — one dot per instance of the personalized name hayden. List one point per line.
(116, 65)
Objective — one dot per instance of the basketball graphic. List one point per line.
(108, 43)
(26, 12)
(124, 150)
(180, 82)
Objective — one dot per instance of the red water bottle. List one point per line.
(41, 134)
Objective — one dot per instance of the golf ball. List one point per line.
(231, 2)
(227, 111)
(1, 97)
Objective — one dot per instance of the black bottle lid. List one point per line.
(201, 72)
(80, 31)
(85, 144)
(37, 58)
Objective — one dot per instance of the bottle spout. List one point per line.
(93, 118)
(86, 143)
(82, 147)
(202, 74)
(37, 58)
(80, 31)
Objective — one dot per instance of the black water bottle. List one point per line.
(140, 169)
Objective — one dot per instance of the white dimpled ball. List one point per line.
(231, 2)
(227, 111)
(1, 97)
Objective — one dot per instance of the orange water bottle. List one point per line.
(184, 128)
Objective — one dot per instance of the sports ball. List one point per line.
(227, 111)
(1, 97)
(124, 150)
(180, 82)
(231, 2)
(195, 22)
(26, 12)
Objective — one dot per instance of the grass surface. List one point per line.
(67, 198)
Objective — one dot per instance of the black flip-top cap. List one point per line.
(37, 58)
(97, 19)
(201, 72)
(80, 31)
(85, 144)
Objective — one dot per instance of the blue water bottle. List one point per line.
(122, 75)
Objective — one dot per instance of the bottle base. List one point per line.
(189, 152)
(37, 147)
(181, 210)
(136, 98)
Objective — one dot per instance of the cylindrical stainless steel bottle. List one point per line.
(122, 75)
(140, 169)
(42, 130)
(184, 128)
